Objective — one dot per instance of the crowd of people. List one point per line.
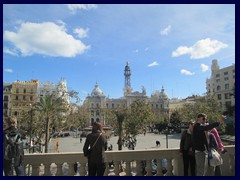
(195, 143)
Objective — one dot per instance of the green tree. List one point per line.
(209, 105)
(120, 114)
(139, 116)
(49, 106)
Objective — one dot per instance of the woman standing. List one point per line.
(186, 150)
(98, 145)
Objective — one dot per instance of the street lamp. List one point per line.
(166, 131)
(30, 139)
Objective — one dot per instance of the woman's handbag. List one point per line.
(214, 158)
(90, 149)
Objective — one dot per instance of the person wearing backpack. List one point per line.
(13, 151)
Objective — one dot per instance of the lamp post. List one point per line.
(30, 139)
(167, 136)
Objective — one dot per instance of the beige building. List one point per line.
(23, 95)
(221, 84)
(97, 102)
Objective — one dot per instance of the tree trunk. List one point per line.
(46, 135)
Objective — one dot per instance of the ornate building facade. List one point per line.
(97, 102)
(221, 84)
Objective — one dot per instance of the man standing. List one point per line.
(200, 145)
(13, 149)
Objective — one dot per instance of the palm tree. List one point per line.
(50, 106)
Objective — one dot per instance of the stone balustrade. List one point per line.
(126, 163)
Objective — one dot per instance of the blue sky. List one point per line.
(166, 45)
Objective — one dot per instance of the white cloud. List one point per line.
(75, 7)
(146, 49)
(11, 52)
(166, 30)
(8, 70)
(136, 51)
(45, 38)
(155, 63)
(204, 67)
(186, 72)
(81, 33)
(201, 49)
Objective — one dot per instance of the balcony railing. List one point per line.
(126, 163)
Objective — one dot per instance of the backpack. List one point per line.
(13, 147)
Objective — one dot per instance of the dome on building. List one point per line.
(163, 95)
(97, 91)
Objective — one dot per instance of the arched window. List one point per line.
(218, 88)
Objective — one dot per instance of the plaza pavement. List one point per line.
(72, 144)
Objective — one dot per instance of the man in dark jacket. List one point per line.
(200, 144)
(11, 163)
(186, 150)
(98, 144)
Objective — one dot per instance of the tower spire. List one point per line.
(127, 74)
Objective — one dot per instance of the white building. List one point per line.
(221, 84)
(97, 102)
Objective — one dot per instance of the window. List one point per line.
(112, 105)
(97, 113)
(107, 105)
(226, 86)
(16, 98)
(233, 70)
(5, 98)
(227, 96)
(92, 113)
(5, 106)
(24, 91)
(17, 90)
(15, 113)
(31, 91)
(31, 98)
(157, 106)
(226, 73)
(24, 98)
(217, 80)
(92, 105)
(226, 79)
(219, 96)
(217, 75)
(218, 88)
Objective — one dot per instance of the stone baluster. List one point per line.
(65, 169)
(159, 167)
(28, 170)
(53, 169)
(134, 168)
(177, 165)
(41, 170)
